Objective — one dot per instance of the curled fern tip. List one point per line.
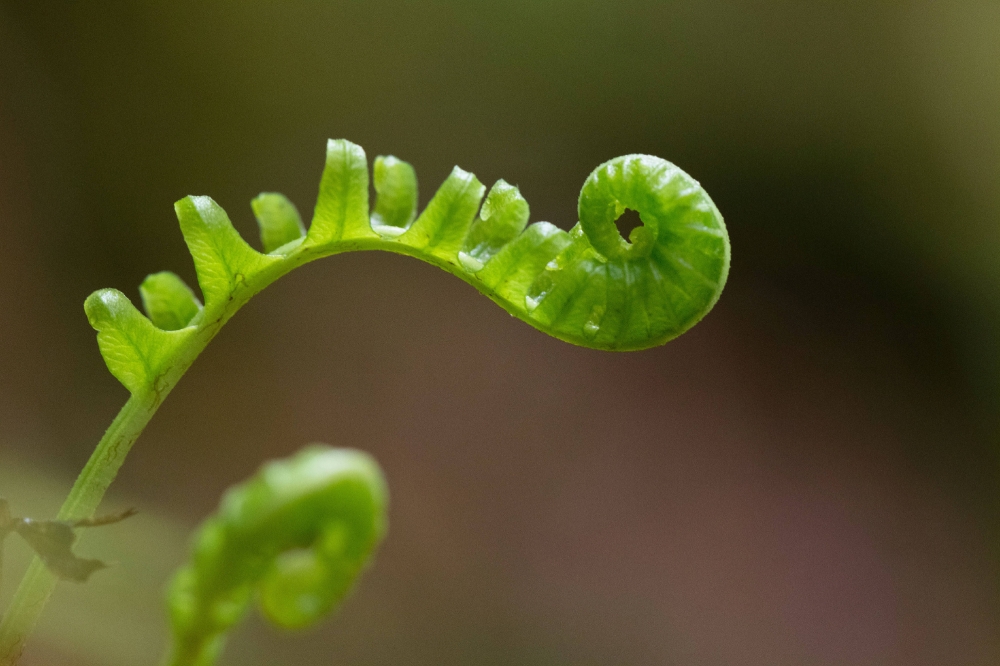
(588, 286)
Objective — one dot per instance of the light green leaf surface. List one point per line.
(396, 196)
(224, 262)
(137, 352)
(170, 303)
(278, 219)
(342, 206)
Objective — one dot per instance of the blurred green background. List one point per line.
(809, 477)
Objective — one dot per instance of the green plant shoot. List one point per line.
(297, 534)
(588, 286)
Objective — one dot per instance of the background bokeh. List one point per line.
(809, 477)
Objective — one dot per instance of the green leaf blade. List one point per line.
(342, 206)
(169, 303)
(396, 196)
(442, 227)
(136, 352)
(224, 262)
(513, 269)
(278, 219)
(504, 215)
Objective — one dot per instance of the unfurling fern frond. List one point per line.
(296, 535)
(588, 286)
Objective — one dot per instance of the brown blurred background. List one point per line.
(809, 477)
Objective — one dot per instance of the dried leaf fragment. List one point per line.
(53, 541)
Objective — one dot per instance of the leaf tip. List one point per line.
(103, 305)
(168, 301)
(278, 219)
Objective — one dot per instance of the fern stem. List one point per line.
(88, 490)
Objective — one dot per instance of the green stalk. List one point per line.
(37, 585)
(88, 490)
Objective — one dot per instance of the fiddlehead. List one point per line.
(297, 534)
(588, 286)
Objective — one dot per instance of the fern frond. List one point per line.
(297, 535)
(588, 286)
